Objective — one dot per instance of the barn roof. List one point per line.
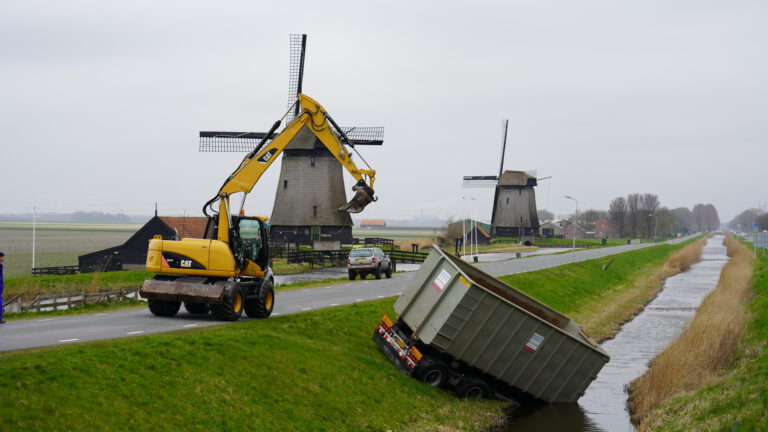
(189, 227)
(381, 222)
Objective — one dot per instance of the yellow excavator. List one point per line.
(229, 271)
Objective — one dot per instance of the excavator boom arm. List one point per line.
(253, 166)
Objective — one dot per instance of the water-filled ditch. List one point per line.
(604, 406)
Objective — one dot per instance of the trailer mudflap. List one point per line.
(182, 291)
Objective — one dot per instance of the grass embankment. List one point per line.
(316, 371)
(715, 376)
(602, 294)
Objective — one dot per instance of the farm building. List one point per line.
(133, 253)
(479, 235)
(606, 229)
(551, 229)
(571, 229)
(373, 223)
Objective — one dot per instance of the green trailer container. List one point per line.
(462, 328)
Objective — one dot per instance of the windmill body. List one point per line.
(514, 206)
(309, 194)
(514, 203)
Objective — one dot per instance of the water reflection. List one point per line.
(603, 406)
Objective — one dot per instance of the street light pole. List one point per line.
(576, 218)
(655, 225)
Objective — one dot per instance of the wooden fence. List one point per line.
(61, 270)
(58, 301)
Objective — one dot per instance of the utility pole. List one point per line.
(576, 218)
(34, 222)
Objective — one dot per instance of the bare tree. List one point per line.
(745, 219)
(649, 203)
(633, 212)
(545, 215)
(683, 218)
(705, 217)
(618, 213)
(762, 222)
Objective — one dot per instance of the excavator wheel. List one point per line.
(163, 308)
(262, 307)
(197, 308)
(231, 306)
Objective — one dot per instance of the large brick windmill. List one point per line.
(310, 193)
(514, 201)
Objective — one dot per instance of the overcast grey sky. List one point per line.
(101, 102)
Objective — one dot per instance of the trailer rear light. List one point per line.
(386, 321)
(416, 353)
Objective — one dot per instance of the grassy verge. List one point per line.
(316, 371)
(89, 282)
(88, 308)
(604, 293)
(728, 389)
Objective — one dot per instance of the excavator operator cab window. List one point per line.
(250, 238)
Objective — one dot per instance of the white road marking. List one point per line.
(68, 340)
(191, 325)
(359, 300)
(135, 332)
(379, 296)
(306, 309)
(276, 314)
(99, 314)
(45, 319)
(334, 304)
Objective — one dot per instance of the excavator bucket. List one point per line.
(363, 197)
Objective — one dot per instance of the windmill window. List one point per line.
(312, 161)
(285, 184)
(314, 211)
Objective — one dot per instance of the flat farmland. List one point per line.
(56, 244)
(397, 232)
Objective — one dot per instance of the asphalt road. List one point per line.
(23, 334)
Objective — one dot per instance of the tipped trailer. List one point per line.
(463, 329)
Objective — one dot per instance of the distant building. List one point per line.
(551, 229)
(606, 229)
(570, 228)
(373, 223)
(479, 235)
(133, 253)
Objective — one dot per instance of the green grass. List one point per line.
(316, 371)
(91, 282)
(741, 397)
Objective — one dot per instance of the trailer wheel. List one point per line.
(197, 308)
(231, 306)
(163, 308)
(261, 307)
(434, 374)
(473, 388)
(352, 275)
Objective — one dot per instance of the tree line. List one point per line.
(746, 220)
(642, 216)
